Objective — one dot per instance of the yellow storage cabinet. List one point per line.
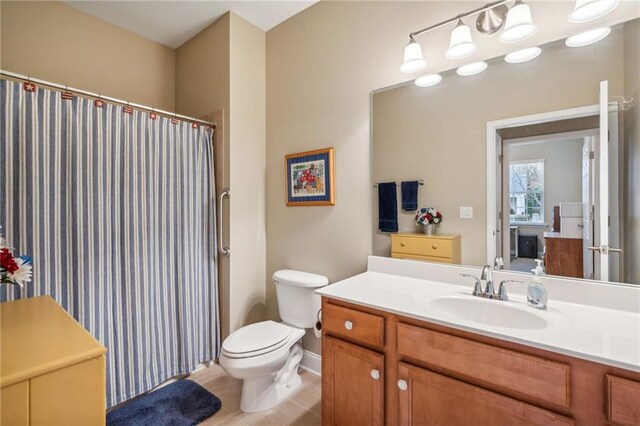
(52, 371)
(433, 248)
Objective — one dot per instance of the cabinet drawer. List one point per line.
(14, 404)
(528, 375)
(623, 401)
(422, 246)
(353, 325)
(427, 398)
(396, 255)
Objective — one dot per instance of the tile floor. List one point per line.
(302, 408)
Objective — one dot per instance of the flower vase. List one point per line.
(429, 229)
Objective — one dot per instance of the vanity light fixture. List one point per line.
(428, 80)
(523, 55)
(589, 37)
(413, 59)
(588, 10)
(519, 25)
(471, 69)
(461, 44)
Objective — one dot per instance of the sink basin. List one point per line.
(489, 312)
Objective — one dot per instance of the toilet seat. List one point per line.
(256, 339)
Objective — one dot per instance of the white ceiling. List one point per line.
(174, 22)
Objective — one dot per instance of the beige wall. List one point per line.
(203, 90)
(322, 65)
(223, 69)
(55, 42)
(248, 169)
(632, 152)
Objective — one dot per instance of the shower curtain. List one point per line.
(117, 211)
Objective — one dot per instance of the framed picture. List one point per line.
(310, 178)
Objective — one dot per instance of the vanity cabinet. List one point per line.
(353, 384)
(428, 398)
(433, 248)
(428, 374)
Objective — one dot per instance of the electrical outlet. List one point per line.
(466, 212)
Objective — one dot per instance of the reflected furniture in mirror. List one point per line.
(442, 132)
(434, 248)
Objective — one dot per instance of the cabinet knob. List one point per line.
(348, 325)
(434, 246)
(375, 374)
(402, 243)
(402, 385)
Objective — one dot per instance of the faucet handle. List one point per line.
(498, 263)
(502, 290)
(477, 288)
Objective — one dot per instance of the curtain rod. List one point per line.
(106, 98)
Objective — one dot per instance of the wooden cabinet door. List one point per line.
(427, 398)
(352, 384)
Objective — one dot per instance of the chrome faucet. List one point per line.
(502, 290)
(498, 263)
(477, 288)
(487, 276)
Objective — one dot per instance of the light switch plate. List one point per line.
(466, 212)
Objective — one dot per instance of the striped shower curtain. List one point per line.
(116, 210)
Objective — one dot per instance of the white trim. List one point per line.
(311, 362)
(492, 128)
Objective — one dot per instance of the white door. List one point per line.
(587, 206)
(602, 240)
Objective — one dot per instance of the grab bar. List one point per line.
(225, 251)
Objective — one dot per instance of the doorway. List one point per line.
(546, 176)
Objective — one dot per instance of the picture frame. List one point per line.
(310, 178)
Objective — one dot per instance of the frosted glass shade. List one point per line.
(519, 25)
(428, 80)
(523, 55)
(461, 44)
(413, 60)
(588, 10)
(472, 69)
(588, 37)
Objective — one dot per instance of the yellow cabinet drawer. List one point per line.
(14, 404)
(434, 246)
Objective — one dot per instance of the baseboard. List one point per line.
(311, 362)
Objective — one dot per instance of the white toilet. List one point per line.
(266, 355)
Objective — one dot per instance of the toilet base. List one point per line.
(265, 392)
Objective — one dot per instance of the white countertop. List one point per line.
(597, 333)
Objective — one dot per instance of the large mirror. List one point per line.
(513, 160)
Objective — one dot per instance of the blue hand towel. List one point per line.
(409, 195)
(387, 207)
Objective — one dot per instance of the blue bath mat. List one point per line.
(181, 403)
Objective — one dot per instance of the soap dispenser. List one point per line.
(536, 291)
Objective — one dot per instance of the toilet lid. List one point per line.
(255, 339)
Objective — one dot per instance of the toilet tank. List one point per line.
(297, 304)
